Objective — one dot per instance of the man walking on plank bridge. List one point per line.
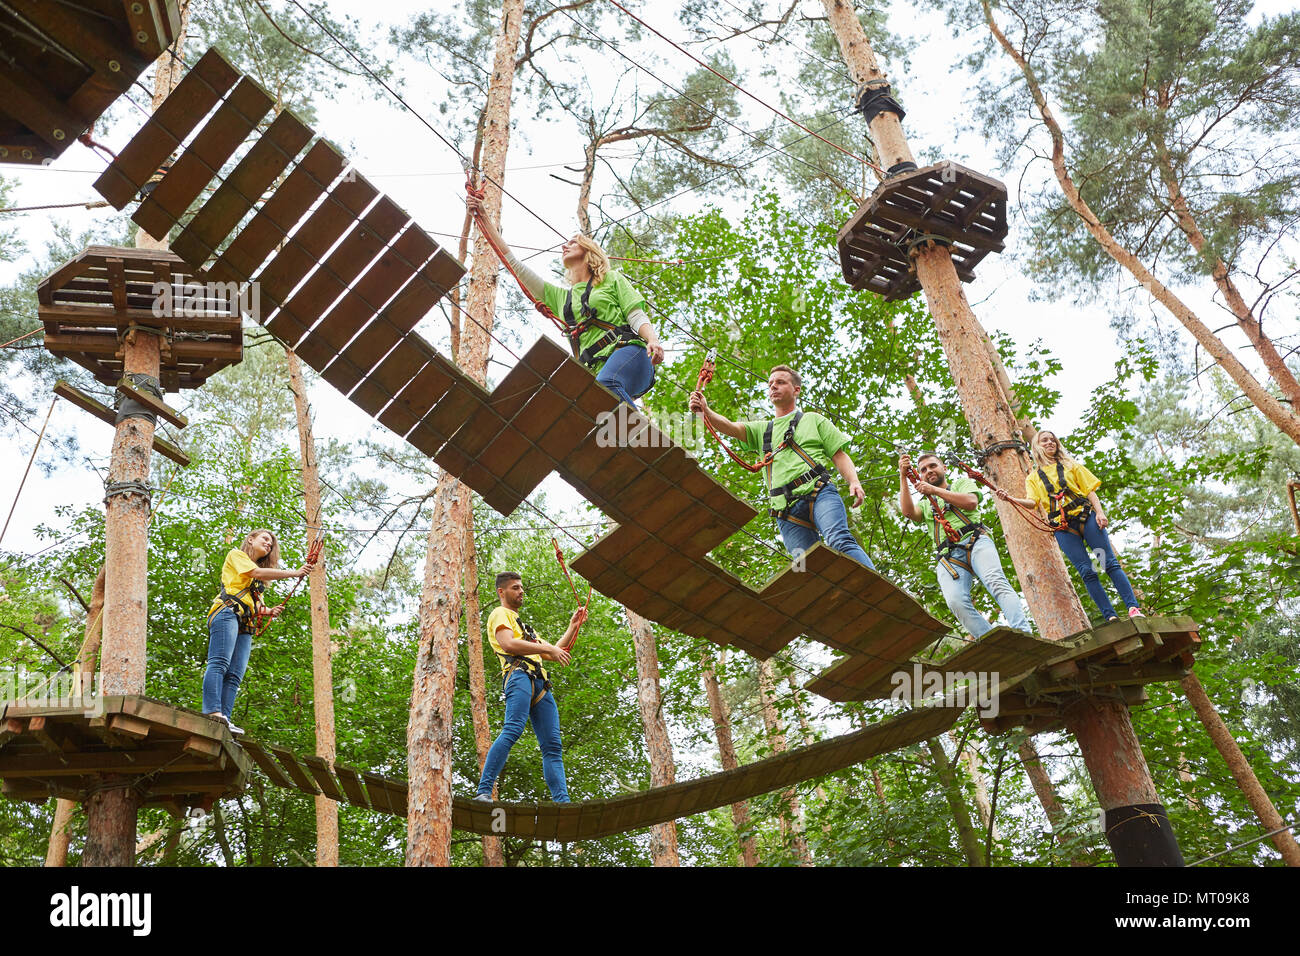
(527, 689)
(798, 449)
(966, 550)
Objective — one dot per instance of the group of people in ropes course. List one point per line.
(799, 451)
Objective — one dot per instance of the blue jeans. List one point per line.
(987, 565)
(628, 373)
(832, 521)
(228, 652)
(545, 718)
(1080, 551)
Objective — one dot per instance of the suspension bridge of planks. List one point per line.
(344, 275)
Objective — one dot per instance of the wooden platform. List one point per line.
(594, 819)
(175, 757)
(65, 63)
(956, 205)
(89, 303)
(1002, 650)
(1118, 658)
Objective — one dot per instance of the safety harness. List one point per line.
(1065, 515)
(243, 612)
(946, 548)
(623, 334)
(516, 662)
(816, 472)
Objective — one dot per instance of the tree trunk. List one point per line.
(952, 792)
(56, 854)
(1286, 419)
(801, 709)
(1110, 747)
(663, 773)
(1042, 784)
(1240, 769)
(477, 679)
(327, 811)
(1221, 275)
(429, 734)
(776, 737)
(971, 761)
(727, 754)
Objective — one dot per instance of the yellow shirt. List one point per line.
(236, 574)
(504, 617)
(1079, 479)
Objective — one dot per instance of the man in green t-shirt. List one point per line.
(526, 686)
(804, 446)
(972, 555)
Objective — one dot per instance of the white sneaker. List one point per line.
(233, 729)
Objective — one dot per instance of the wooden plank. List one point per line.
(27, 99)
(321, 773)
(294, 769)
(106, 414)
(196, 94)
(127, 726)
(304, 185)
(377, 790)
(266, 763)
(155, 405)
(235, 197)
(203, 747)
(115, 66)
(39, 728)
(203, 159)
(350, 781)
(162, 759)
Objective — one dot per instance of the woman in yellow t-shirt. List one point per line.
(230, 620)
(1067, 492)
(623, 359)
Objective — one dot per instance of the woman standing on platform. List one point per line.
(1067, 492)
(614, 337)
(233, 615)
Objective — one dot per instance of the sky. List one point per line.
(399, 154)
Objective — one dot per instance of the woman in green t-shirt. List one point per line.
(614, 337)
(231, 618)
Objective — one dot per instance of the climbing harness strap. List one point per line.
(816, 472)
(531, 668)
(590, 356)
(1065, 515)
(243, 612)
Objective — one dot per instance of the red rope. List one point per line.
(705, 377)
(559, 556)
(935, 508)
(313, 555)
(1029, 516)
(86, 140)
(538, 304)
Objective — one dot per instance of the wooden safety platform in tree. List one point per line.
(1119, 658)
(593, 819)
(65, 64)
(946, 203)
(90, 303)
(175, 757)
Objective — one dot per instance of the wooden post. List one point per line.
(327, 810)
(663, 836)
(429, 732)
(1102, 726)
(727, 754)
(1239, 767)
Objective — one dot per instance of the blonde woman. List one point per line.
(1067, 492)
(232, 616)
(615, 338)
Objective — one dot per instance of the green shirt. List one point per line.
(612, 299)
(964, 485)
(815, 435)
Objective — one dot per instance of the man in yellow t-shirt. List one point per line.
(526, 686)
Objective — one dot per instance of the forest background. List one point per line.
(745, 207)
